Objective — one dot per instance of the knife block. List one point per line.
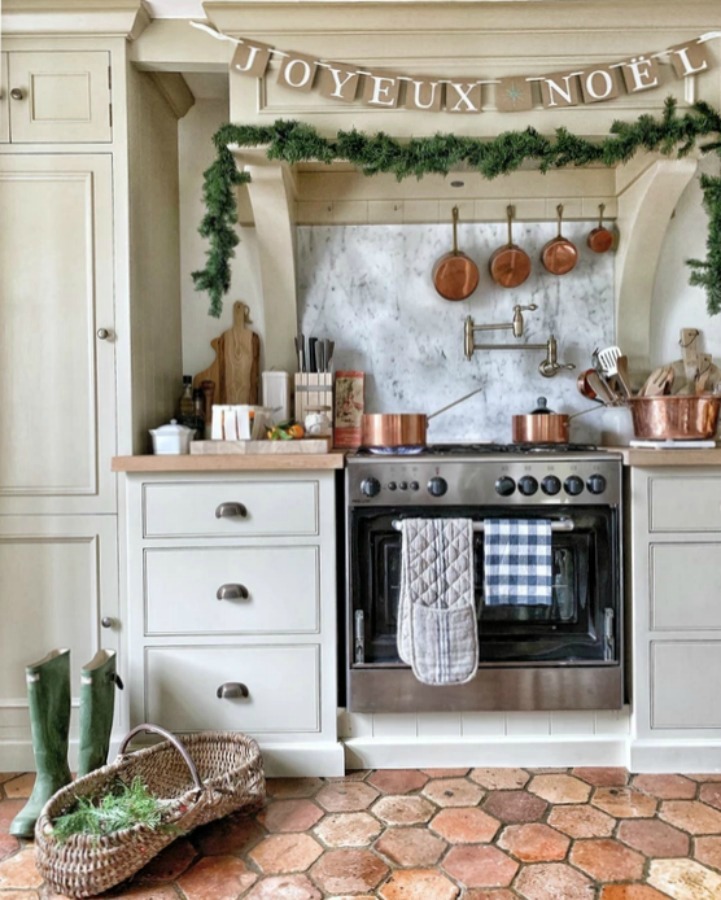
(313, 389)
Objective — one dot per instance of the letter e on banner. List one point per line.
(560, 89)
(424, 94)
(251, 58)
(463, 96)
(381, 90)
(599, 83)
(514, 94)
(640, 74)
(338, 82)
(297, 71)
(689, 59)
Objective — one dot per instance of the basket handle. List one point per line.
(171, 738)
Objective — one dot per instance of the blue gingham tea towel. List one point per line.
(517, 560)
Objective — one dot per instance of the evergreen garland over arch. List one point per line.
(295, 142)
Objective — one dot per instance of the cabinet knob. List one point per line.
(230, 511)
(17, 94)
(103, 334)
(232, 592)
(231, 689)
(107, 622)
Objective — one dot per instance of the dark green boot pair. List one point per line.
(48, 683)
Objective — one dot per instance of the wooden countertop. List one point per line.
(279, 462)
(642, 458)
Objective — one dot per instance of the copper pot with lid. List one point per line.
(542, 426)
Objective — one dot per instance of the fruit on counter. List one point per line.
(285, 431)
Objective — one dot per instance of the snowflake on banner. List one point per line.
(514, 93)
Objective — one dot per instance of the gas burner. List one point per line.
(475, 449)
(395, 451)
(551, 448)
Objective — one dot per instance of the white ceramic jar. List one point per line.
(171, 439)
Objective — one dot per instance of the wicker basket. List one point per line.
(206, 777)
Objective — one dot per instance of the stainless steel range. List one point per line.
(568, 655)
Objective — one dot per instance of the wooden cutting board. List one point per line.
(236, 368)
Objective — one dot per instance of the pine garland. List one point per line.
(295, 142)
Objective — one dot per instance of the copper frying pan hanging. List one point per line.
(600, 239)
(455, 275)
(509, 265)
(559, 255)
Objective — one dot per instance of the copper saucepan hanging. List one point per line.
(455, 275)
(509, 265)
(600, 239)
(559, 255)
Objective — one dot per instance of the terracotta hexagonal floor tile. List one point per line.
(20, 787)
(513, 807)
(445, 773)
(163, 892)
(219, 877)
(350, 775)
(290, 815)
(281, 854)
(666, 787)
(483, 894)
(500, 779)
(233, 834)
(346, 796)
(602, 776)
(285, 887)
(653, 838)
(710, 776)
(534, 842)
(476, 865)
(560, 788)
(411, 846)
(624, 803)
(8, 810)
(582, 821)
(691, 816)
(607, 860)
(553, 881)
(465, 826)
(8, 845)
(169, 864)
(630, 892)
(707, 850)
(453, 792)
(403, 810)
(398, 781)
(348, 871)
(348, 829)
(684, 879)
(418, 884)
(18, 872)
(292, 788)
(711, 794)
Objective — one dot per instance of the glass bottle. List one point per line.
(185, 404)
(198, 419)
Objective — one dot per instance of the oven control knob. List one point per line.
(391, 485)
(403, 485)
(551, 485)
(437, 486)
(415, 486)
(527, 485)
(505, 486)
(596, 484)
(573, 485)
(370, 487)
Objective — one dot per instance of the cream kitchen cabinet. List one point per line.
(232, 609)
(676, 546)
(55, 97)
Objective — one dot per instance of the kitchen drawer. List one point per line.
(684, 684)
(182, 586)
(283, 683)
(193, 509)
(687, 503)
(685, 586)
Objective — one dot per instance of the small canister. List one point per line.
(317, 421)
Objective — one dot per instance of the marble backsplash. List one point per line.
(369, 288)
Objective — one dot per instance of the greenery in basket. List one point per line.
(124, 806)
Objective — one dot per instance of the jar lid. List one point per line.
(171, 428)
(542, 408)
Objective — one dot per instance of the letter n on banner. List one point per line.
(337, 82)
(463, 96)
(689, 58)
(251, 58)
(599, 83)
(424, 94)
(560, 89)
(381, 90)
(297, 71)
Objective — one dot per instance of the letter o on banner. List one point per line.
(297, 72)
(599, 84)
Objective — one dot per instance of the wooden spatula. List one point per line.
(658, 382)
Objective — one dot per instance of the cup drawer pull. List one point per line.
(231, 689)
(232, 592)
(230, 511)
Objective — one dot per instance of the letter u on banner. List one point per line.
(423, 94)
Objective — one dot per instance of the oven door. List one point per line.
(580, 627)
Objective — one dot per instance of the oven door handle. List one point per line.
(563, 524)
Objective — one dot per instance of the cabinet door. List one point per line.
(57, 391)
(4, 100)
(58, 581)
(59, 97)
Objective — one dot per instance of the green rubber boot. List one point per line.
(98, 679)
(48, 684)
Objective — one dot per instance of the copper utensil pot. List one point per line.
(675, 418)
(540, 427)
(600, 239)
(509, 265)
(559, 255)
(455, 275)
